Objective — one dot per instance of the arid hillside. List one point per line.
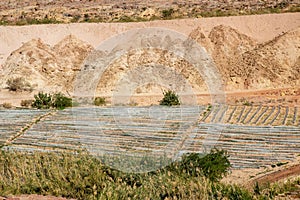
(63, 11)
(246, 59)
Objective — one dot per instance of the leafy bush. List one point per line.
(99, 101)
(46, 101)
(60, 101)
(42, 101)
(18, 84)
(26, 103)
(213, 166)
(170, 99)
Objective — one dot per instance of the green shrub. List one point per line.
(42, 101)
(46, 101)
(60, 101)
(213, 166)
(170, 99)
(99, 101)
(18, 84)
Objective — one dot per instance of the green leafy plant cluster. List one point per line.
(46, 101)
(214, 166)
(170, 99)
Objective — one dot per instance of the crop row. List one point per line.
(158, 131)
(254, 115)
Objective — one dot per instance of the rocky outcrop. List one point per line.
(246, 64)
(46, 68)
(242, 62)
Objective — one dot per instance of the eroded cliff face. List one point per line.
(46, 68)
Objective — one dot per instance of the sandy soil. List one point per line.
(284, 97)
(248, 177)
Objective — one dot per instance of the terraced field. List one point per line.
(12, 121)
(253, 135)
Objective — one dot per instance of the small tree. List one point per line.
(170, 99)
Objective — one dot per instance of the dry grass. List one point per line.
(81, 176)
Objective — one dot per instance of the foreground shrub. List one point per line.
(170, 99)
(18, 84)
(213, 166)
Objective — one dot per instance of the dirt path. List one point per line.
(279, 175)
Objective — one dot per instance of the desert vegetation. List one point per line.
(46, 101)
(104, 11)
(99, 101)
(49, 150)
(19, 84)
(81, 176)
(170, 99)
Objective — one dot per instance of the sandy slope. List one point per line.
(260, 27)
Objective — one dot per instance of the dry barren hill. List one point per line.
(45, 67)
(245, 61)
